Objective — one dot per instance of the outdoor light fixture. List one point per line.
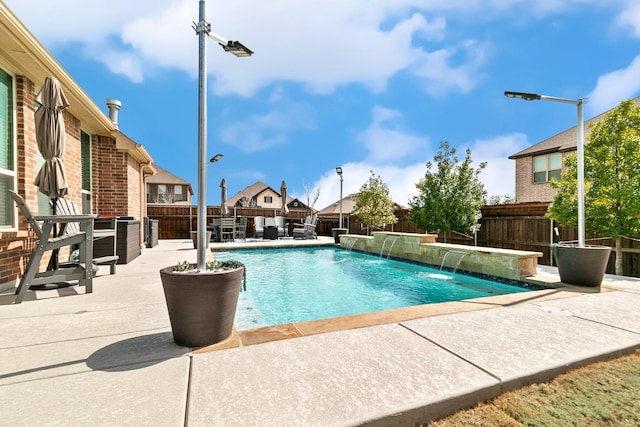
(203, 29)
(237, 48)
(522, 95)
(339, 172)
(580, 143)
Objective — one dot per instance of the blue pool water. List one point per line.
(300, 284)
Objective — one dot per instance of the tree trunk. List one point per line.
(618, 251)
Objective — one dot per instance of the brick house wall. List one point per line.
(117, 180)
(527, 190)
(119, 165)
(108, 181)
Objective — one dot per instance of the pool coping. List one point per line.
(248, 337)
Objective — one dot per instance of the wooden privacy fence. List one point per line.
(177, 222)
(520, 226)
(523, 226)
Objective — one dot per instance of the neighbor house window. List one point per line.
(268, 199)
(547, 167)
(7, 167)
(178, 194)
(85, 159)
(162, 194)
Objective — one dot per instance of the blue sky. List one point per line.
(361, 84)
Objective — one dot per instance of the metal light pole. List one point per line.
(580, 143)
(339, 172)
(203, 29)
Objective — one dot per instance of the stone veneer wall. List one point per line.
(506, 263)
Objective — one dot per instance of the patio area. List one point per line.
(108, 358)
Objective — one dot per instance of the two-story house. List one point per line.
(538, 164)
(260, 195)
(167, 188)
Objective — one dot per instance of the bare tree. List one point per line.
(311, 197)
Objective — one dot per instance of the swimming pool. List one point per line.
(301, 284)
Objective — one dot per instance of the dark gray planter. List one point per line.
(194, 238)
(337, 232)
(202, 306)
(581, 266)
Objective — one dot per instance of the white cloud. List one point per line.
(614, 87)
(400, 180)
(260, 132)
(629, 18)
(386, 140)
(499, 176)
(440, 75)
(319, 44)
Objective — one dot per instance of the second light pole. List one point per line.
(339, 172)
(580, 148)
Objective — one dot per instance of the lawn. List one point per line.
(602, 394)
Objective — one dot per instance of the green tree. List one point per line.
(373, 205)
(450, 195)
(611, 180)
(497, 199)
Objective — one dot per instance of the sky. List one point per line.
(367, 85)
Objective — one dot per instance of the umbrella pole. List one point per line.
(54, 254)
(53, 262)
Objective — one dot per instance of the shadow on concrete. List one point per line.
(136, 353)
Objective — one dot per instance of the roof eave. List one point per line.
(26, 56)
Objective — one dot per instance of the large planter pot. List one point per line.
(202, 306)
(337, 232)
(194, 238)
(581, 266)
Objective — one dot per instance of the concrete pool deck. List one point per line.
(108, 358)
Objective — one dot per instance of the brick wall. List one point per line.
(526, 189)
(116, 183)
(109, 185)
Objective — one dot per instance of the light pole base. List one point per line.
(337, 232)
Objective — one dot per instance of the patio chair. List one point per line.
(214, 227)
(227, 229)
(241, 228)
(308, 229)
(282, 231)
(258, 227)
(82, 236)
(67, 207)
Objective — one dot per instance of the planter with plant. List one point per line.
(194, 238)
(202, 304)
(612, 185)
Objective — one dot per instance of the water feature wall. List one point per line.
(507, 263)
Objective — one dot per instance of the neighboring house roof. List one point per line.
(348, 205)
(564, 141)
(296, 204)
(163, 176)
(251, 192)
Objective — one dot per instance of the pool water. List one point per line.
(300, 284)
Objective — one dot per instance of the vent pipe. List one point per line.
(114, 105)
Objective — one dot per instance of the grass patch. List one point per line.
(601, 394)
